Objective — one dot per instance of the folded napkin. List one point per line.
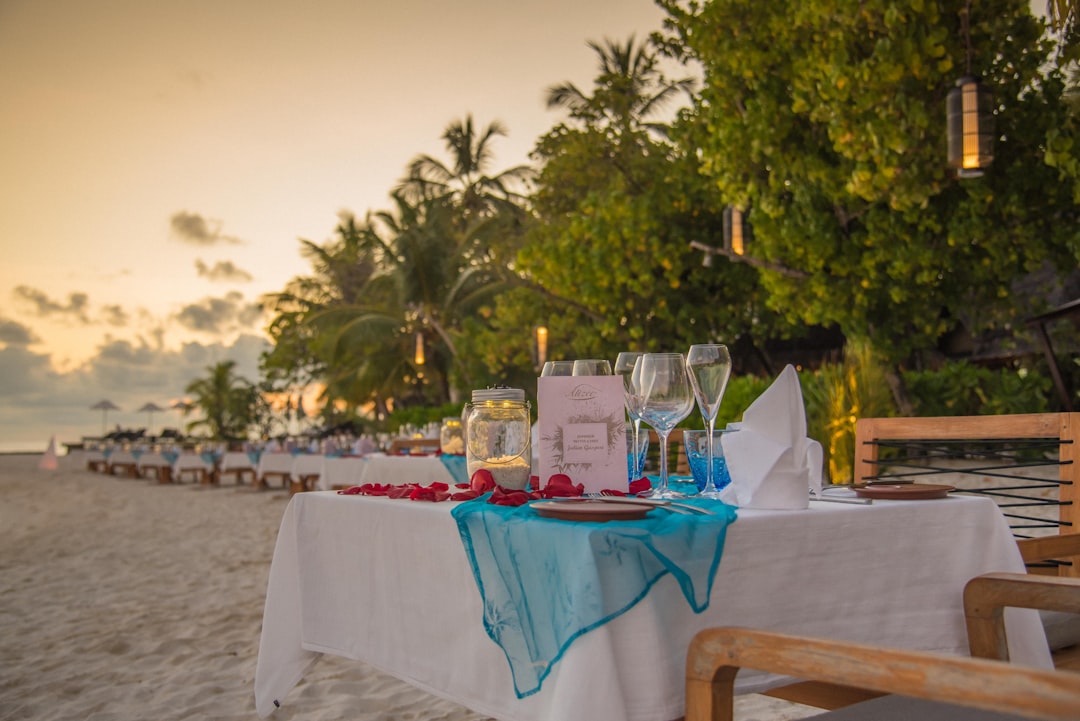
(771, 461)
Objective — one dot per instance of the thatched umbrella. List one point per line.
(104, 406)
(151, 408)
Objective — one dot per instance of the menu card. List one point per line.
(582, 423)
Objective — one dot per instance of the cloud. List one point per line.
(114, 315)
(13, 333)
(224, 270)
(36, 401)
(197, 230)
(220, 315)
(45, 307)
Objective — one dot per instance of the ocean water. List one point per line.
(7, 447)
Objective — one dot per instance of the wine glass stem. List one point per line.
(639, 469)
(710, 482)
(663, 462)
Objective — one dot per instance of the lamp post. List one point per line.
(540, 346)
(418, 354)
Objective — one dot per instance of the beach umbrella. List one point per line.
(150, 408)
(104, 406)
(182, 406)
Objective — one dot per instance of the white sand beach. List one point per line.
(126, 599)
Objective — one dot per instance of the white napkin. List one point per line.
(771, 461)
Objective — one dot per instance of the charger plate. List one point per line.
(903, 491)
(595, 511)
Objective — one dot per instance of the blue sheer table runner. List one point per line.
(456, 466)
(540, 592)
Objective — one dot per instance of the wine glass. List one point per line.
(709, 368)
(592, 367)
(557, 368)
(666, 399)
(624, 366)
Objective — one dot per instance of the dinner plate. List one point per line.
(904, 491)
(596, 511)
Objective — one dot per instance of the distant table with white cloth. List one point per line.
(158, 463)
(237, 463)
(197, 464)
(123, 462)
(274, 463)
(307, 469)
(891, 573)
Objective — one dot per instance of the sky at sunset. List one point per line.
(160, 161)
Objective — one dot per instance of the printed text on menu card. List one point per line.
(582, 423)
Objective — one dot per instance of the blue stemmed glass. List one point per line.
(709, 368)
(624, 367)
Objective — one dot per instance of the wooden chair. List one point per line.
(986, 597)
(911, 678)
(1013, 442)
(855, 676)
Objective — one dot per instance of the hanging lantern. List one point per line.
(737, 231)
(970, 114)
(418, 357)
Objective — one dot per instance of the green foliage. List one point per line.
(827, 120)
(838, 394)
(742, 390)
(963, 389)
(422, 415)
(610, 259)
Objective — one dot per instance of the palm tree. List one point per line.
(227, 401)
(628, 90)
(465, 182)
(431, 278)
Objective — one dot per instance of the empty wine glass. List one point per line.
(592, 367)
(557, 368)
(624, 366)
(709, 367)
(666, 399)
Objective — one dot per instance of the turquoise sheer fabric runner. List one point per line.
(540, 592)
(456, 466)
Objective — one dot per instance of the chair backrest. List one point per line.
(1028, 463)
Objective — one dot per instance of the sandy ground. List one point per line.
(126, 599)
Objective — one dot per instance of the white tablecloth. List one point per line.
(343, 471)
(395, 470)
(190, 462)
(274, 463)
(152, 459)
(118, 457)
(361, 577)
(236, 460)
(307, 464)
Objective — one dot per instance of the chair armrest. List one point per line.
(987, 596)
(716, 655)
(1062, 545)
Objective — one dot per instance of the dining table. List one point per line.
(391, 582)
(390, 469)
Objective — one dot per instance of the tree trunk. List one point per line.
(899, 391)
